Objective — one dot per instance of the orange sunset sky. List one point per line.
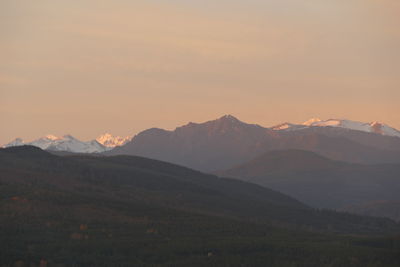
(89, 67)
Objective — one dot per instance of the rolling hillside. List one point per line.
(321, 182)
(95, 211)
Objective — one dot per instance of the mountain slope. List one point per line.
(319, 181)
(290, 161)
(99, 211)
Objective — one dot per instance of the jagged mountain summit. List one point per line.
(203, 146)
(108, 140)
(370, 127)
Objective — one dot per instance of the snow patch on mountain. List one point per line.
(71, 144)
(311, 121)
(111, 141)
(15, 142)
(372, 127)
(288, 126)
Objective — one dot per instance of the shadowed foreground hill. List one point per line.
(324, 183)
(131, 211)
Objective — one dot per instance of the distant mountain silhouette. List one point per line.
(203, 146)
(321, 182)
(225, 142)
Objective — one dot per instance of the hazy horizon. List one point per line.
(89, 67)
(167, 128)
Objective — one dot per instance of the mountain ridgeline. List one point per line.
(225, 142)
(82, 210)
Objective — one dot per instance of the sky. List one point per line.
(93, 66)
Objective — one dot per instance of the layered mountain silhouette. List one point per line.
(324, 183)
(154, 182)
(85, 210)
(227, 141)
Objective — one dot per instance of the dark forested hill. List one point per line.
(324, 183)
(132, 211)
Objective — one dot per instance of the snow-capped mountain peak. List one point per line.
(16, 142)
(52, 137)
(65, 143)
(71, 144)
(381, 128)
(371, 127)
(311, 121)
(229, 117)
(111, 141)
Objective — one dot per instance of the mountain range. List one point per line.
(225, 142)
(222, 143)
(71, 144)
